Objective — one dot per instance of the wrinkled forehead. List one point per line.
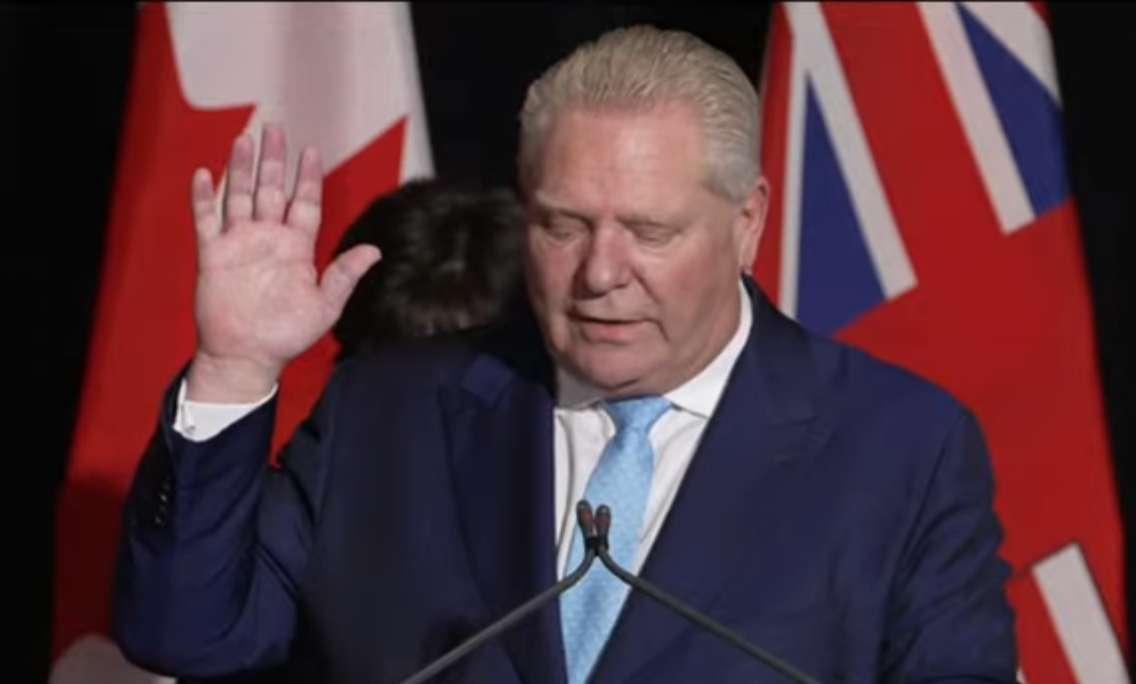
(653, 157)
(653, 154)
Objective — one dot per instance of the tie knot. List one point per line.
(637, 414)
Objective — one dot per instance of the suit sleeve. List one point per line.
(215, 542)
(949, 619)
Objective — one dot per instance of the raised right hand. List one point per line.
(259, 301)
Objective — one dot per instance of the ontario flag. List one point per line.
(921, 211)
(343, 77)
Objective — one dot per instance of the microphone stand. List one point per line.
(586, 522)
(602, 520)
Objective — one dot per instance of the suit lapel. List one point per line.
(766, 418)
(500, 422)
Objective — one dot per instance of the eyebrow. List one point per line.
(562, 211)
(641, 220)
(552, 207)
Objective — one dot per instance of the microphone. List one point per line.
(602, 520)
(586, 522)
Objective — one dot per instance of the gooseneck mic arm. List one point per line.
(603, 524)
(586, 523)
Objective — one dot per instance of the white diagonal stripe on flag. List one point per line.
(988, 144)
(881, 235)
(1025, 34)
(794, 169)
(1079, 617)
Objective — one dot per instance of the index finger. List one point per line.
(304, 212)
(239, 184)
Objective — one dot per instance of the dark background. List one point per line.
(63, 76)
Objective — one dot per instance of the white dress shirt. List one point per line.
(582, 429)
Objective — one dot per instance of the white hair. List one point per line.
(641, 68)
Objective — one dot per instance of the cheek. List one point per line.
(688, 287)
(550, 269)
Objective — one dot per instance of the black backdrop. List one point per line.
(63, 77)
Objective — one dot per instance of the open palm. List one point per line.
(260, 301)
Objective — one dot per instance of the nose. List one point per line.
(606, 265)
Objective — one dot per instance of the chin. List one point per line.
(610, 370)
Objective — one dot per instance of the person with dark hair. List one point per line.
(831, 508)
(451, 262)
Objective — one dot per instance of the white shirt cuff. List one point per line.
(198, 421)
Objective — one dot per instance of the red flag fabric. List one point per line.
(340, 76)
(921, 210)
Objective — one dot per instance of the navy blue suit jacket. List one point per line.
(837, 512)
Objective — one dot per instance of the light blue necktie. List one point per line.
(622, 480)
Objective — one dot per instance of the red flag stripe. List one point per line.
(775, 127)
(143, 325)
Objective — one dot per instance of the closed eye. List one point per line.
(653, 233)
(563, 228)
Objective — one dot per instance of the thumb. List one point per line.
(340, 277)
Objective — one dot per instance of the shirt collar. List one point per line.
(699, 395)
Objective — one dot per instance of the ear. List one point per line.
(750, 225)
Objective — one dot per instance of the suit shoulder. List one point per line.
(482, 360)
(890, 426)
(871, 385)
(402, 368)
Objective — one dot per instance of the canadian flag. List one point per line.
(922, 211)
(341, 76)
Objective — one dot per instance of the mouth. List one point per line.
(606, 330)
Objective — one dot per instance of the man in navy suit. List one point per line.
(835, 510)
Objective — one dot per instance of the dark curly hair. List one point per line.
(451, 261)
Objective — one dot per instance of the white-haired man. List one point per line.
(832, 509)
